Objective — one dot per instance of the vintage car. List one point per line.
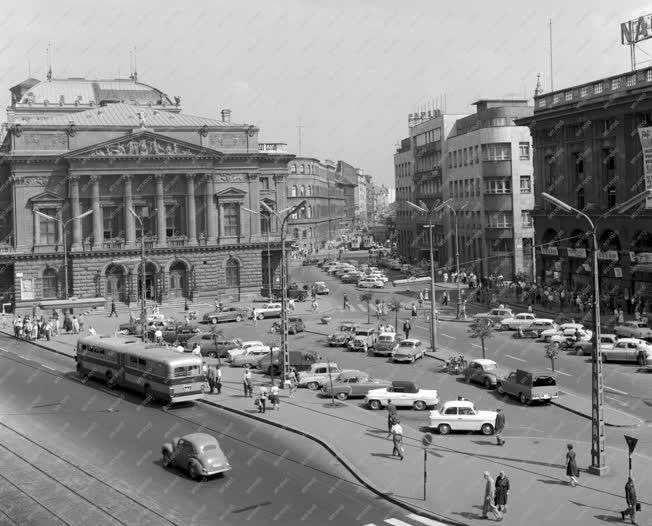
(197, 453)
(523, 320)
(177, 333)
(339, 338)
(299, 360)
(402, 394)
(371, 283)
(529, 386)
(559, 330)
(269, 310)
(628, 350)
(542, 324)
(250, 356)
(248, 344)
(321, 288)
(364, 339)
(585, 335)
(410, 280)
(225, 314)
(318, 373)
(213, 345)
(352, 384)
(408, 350)
(607, 342)
(460, 415)
(483, 371)
(633, 329)
(495, 315)
(385, 344)
(295, 325)
(351, 277)
(134, 328)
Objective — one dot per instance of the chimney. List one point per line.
(226, 116)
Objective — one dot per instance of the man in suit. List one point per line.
(392, 417)
(499, 427)
(630, 497)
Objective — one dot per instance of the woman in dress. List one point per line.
(572, 471)
(502, 489)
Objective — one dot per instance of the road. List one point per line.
(277, 476)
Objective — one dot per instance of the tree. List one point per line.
(367, 297)
(395, 306)
(481, 328)
(552, 351)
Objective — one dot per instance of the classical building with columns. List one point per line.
(148, 174)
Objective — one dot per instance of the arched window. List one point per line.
(309, 213)
(302, 213)
(304, 234)
(296, 233)
(293, 168)
(294, 190)
(302, 191)
(309, 190)
(301, 169)
(232, 273)
(50, 282)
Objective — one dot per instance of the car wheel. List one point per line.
(108, 380)
(245, 365)
(444, 429)
(419, 405)
(261, 316)
(166, 458)
(522, 398)
(487, 383)
(500, 389)
(375, 404)
(214, 321)
(212, 354)
(313, 386)
(238, 318)
(579, 351)
(487, 429)
(193, 471)
(342, 396)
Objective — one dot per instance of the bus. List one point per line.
(157, 372)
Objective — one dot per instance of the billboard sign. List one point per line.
(637, 30)
(645, 134)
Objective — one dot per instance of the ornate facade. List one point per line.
(138, 171)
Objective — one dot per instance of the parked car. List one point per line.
(321, 288)
(559, 330)
(197, 453)
(295, 325)
(300, 360)
(246, 345)
(339, 338)
(385, 344)
(408, 350)
(317, 374)
(495, 315)
(371, 283)
(628, 350)
(353, 384)
(585, 335)
(177, 333)
(214, 346)
(607, 342)
(633, 329)
(294, 293)
(483, 371)
(402, 394)
(225, 314)
(269, 310)
(352, 277)
(134, 328)
(520, 321)
(365, 337)
(250, 356)
(529, 386)
(461, 415)
(540, 325)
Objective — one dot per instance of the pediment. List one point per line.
(144, 144)
(46, 197)
(231, 192)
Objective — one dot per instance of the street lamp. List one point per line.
(598, 458)
(65, 246)
(143, 307)
(431, 213)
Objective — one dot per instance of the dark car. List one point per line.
(300, 360)
(177, 333)
(134, 328)
(292, 293)
(350, 384)
(225, 314)
(295, 325)
(214, 347)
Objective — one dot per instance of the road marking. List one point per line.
(559, 372)
(424, 520)
(397, 522)
(476, 345)
(514, 358)
(448, 336)
(48, 367)
(615, 390)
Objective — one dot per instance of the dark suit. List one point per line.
(630, 497)
(499, 427)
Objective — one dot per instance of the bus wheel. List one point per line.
(108, 380)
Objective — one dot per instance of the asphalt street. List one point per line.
(276, 476)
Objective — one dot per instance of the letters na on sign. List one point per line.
(634, 31)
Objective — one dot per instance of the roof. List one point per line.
(199, 438)
(458, 403)
(125, 115)
(484, 361)
(147, 351)
(351, 373)
(410, 340)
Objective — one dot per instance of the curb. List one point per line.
(348, 465)
(42, 346)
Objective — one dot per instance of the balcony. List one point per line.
(496, 168)
(177, 241)
(273, 147)
(113, 243)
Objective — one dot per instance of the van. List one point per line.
(300, 360)
(529, 386)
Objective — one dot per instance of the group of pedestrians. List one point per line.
(37, 328)
(264, 394)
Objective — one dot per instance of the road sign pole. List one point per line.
(631, 445)
(425, 472)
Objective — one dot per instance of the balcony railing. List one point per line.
(272, 147)
(177, 241)
(113, 243)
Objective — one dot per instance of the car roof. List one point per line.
(199, 439)
(544, 320)
(484, 361)
(352, 374)
(387, 334)
(411, 340)
(637, 340)
(458, 403)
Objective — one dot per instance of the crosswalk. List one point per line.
(414, 520)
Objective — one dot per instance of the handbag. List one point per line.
(257, 402)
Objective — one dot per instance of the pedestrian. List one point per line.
(489, 495)
(621, 316)
(34, 311)
(261, 399)
(346, 302)
(218, 379)
(407, 328)
(502, 489)
(315, 306)
(414, 310)
(186, 308)
(463, 310)
(499, 426)
(81, 323)
(294, 382)
(397, 439)
(246, 382)
(444, 298)
(275, 397)
(632, 503)
(196, 349)
(291, 304)
(48, 330)
(211, 378)
(113, 311)
(572, 471)
(254, 315)
(158, 336)
(18, 326)
(392, 417)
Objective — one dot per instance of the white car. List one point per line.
(633, 329)
(269, 310)
(408, 350)
(548, 333)
(540, 325)
(585, 335)
(402, 394)
(460, 415)
(378, 275)
(409, 280)
(249, 344)
(628, 350)
(370, 283)
(250, 356)
(318, 375)
(520, 321)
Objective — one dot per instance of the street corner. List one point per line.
(581, 406)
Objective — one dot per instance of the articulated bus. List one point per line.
(155, 371)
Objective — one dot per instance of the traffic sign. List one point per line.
(631, 443)
(427, 439)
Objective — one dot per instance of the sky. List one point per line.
(341, 74)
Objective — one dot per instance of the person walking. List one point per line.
(75, 325)
(254, 315)
(158, 336)
(407, 328)
(502, 489)
(346, 302)
(275, 397)
(489, 495)
(444, 298)
(499, 426)
(397, 439)
(291, 304)
(196, 349)
(81, 323)
(414, 310)
(294, 382)
(261, 399)
(210, 376)
(392, 417)
(572, 471)
(632, 503)
(246, 383)
(113, 311)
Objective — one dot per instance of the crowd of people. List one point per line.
(41, 328)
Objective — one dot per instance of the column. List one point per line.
(76, 210)
(130, 220)
(211, 211)
(191, 216)
(59, 229)
(37, 228)
(220, 213)
(160, 212)
(97, 213)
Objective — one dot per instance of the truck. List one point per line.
(529, 386)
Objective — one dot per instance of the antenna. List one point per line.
(131, 64)
(299, 127)
(551, 83)
(135, 66)
(49, 63)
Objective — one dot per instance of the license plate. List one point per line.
(187, 387)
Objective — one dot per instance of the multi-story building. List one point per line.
(371, 200)
(347, 177)
(381, 200)
(489, 178)
(404, 182)
(361, 199)
(588, 154)
(124, 152)
(318, 221)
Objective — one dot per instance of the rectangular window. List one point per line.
(615, 83)
(597, 88)
(542, 102)
(173, 220)
(450, 160)
(526, 184)
(498, 186)
(477, 153)
(231, 219)
(48, 227)
(584, 91)
(499, 219)
(631, 80)
(264, 183)
(497, 152)
(524, 151)
(568, 95)
(477, 187)
(555, 98)
(108, 219)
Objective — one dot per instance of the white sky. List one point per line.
(350, 69)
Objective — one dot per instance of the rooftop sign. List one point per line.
(636, 30)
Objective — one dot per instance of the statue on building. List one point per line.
(177, 101)
(141, 118)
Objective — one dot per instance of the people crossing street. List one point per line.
(407, 328)
(489, 496)
(392, 417)
(502, 490)
(499, 426)
(113, 311)
(572, 471)
(397, 439)
(632, 503)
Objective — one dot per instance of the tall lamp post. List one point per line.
(457, 260)
(143, 307)
(65, 244)
(423, 209)
(598, 456)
